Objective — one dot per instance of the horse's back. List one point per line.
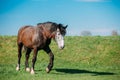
(22, 29)
(31, 36)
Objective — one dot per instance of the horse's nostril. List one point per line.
(63, 47)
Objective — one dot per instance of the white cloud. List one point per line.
(93, 0)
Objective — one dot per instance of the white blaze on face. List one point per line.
(59, 39)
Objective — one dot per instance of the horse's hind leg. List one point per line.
(19, 55)
(27, 57)
(34, 60)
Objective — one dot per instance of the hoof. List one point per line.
(28, 69)
(17, 68)
(32, 71)
(47, 70)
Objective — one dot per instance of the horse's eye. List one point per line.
(58, 33)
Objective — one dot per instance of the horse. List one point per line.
(39, 38)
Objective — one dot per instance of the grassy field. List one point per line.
(83, 58)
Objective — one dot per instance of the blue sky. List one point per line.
(99, 17)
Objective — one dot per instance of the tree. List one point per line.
(114, 33)
(86, 33)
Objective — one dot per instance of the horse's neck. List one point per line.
(47, 33)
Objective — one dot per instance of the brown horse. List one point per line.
(38, 38)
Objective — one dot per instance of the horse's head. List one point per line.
(55, 31)
(59, 36)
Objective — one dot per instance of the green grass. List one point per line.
(83, 58)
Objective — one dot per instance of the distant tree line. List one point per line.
(114, 33)
(88, 33)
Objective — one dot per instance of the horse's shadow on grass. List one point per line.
(77, 71)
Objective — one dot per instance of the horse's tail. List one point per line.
(24, 49)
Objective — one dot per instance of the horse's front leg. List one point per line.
(51, 61)
(50, 65)
(34, 60)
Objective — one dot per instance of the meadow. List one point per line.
(83, 58)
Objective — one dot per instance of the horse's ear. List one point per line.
(66, 26)
(59, 26)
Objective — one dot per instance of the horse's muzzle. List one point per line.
(62, 47)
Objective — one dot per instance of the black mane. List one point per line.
(54, 26)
